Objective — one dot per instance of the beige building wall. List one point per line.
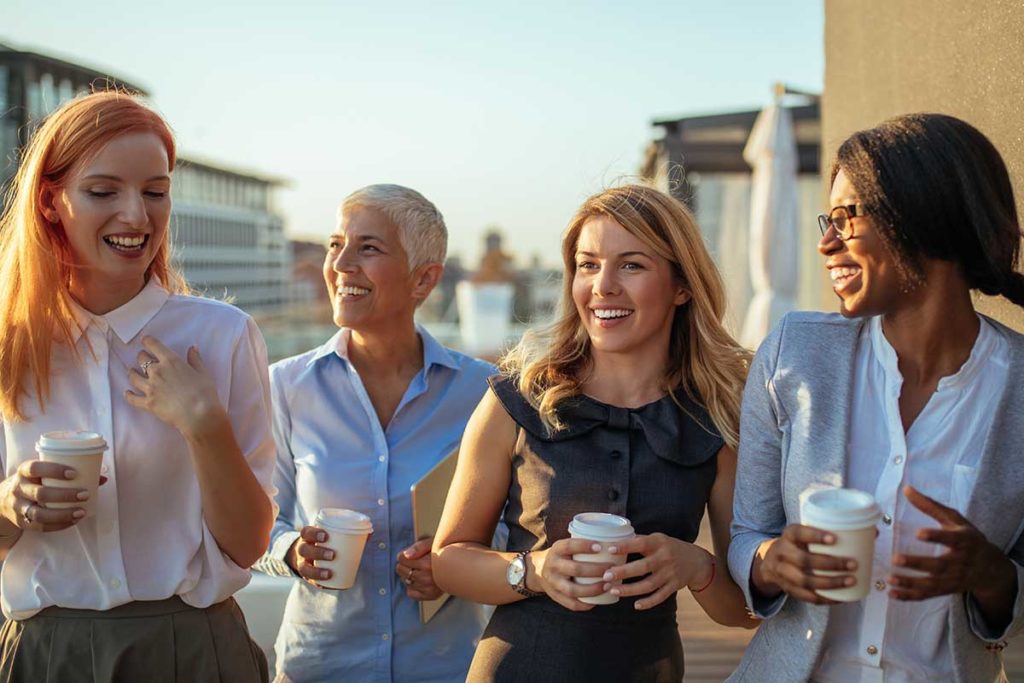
(958, 57)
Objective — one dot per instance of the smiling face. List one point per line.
(625, 294)
(367, 273)
(115, 210)
(864, 273)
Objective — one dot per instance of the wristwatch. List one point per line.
(516, 575)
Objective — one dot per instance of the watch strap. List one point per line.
(520, 587)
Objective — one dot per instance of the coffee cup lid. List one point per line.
(600, 526)
(71, 442)
(840, 509)
(341, 519)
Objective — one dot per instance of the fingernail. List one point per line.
(638, 605)
(849, 581)
(615, 591)
(596, 547)
(328, 554)
(82, 495)
(612, 549)
(323, 573)
(78, 514)
(608, 576)
(829, 538)
(607, 587)
(851, 565)
(407, 553)
(70, 474)
(321, 537)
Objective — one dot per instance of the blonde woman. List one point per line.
(97, 333)
(628, 404)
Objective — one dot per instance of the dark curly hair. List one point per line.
(937, 188)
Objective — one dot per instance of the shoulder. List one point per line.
(470, 366)
(286, 371)
(210, 313)
(802, 330)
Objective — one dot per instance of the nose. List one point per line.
(343, 261)
(606, 282)
(830, 242)
(133, 211)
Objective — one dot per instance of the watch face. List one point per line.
(516, 570)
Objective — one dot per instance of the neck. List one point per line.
(102, 298)
(394, 350)
(628, 380)
(934, 334)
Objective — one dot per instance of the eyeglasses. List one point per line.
(839, 218)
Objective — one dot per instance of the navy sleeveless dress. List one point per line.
(654, 465)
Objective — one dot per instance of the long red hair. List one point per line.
(35, 256)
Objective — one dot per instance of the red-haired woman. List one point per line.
(97, 333)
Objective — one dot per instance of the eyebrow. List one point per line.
(104, 176)
(620, 255)
(361, 238)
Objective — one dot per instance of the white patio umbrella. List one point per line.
(774, 240)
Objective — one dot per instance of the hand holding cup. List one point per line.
(788, 565)
(667, 565)
(24, 497)
(553, 570)
(306, 550)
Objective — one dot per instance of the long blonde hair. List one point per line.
(550, 364)
(35, 256)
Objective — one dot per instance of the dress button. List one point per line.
(898, 459)
(381, 458)
(382, 591)
(380, 501)
(879, 585)
(613, 495)
(385, 636)
(887, 519)
(872, 650)
(615, 455)
(382, 545)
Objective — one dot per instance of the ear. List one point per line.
(682, 296)
(47, 202)
(425, 278)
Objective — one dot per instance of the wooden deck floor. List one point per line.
(712, 651)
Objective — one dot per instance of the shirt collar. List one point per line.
(128, 319)
(984, 346)
(434, 353)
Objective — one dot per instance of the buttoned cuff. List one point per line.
(274, 561)
(742, 551)
(982, 629)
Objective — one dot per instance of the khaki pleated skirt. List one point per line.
(151, 642)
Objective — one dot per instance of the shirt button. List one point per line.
(879, 585)
(615, 455)
(384, 636)
(613, 495)
(382, 591)
(382, 545)
(872, 650)
(898, 459)
(381, 458)
(115, 584)
(380, 501)
(887, 519)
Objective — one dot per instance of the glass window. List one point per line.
(4, 78)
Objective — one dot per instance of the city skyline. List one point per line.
(502, 117)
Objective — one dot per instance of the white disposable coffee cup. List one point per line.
(84, 452)
(850, 516)
(605, 529)
(347, 531)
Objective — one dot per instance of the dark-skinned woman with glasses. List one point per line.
(909, 395)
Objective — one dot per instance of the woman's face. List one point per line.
(115, 210)
(625, 294)
(864, 274)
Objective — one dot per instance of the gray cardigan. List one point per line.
(793, 435)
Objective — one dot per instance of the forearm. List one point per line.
(759, 583)
(236, 509)
(722, 599)
(475, 572)
(996, 601)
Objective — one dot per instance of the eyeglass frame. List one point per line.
(825, 220)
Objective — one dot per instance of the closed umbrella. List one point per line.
(774, 240)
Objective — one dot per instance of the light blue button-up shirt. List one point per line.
(333, 452)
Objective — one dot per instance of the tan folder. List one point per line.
(428, 496)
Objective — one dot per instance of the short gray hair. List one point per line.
(421, 228)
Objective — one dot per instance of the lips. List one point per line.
(842, 276)
(611, 313)
(351, 291)
(127, 244)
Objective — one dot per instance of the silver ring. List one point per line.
(24, 515)
(145, 366)
(408, 579)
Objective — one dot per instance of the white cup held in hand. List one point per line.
(605, 529)
(347, 531)
(84, 452)
(850, 516)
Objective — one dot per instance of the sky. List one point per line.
(502, 114)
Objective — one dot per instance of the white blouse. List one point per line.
(880, 639)
(148, 539)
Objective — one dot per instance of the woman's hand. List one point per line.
(414, 568)
(181, 394)
(23, 497)
(971, 564)
(667, 563)
(552, 571)
(306, 550)
(786, 565)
